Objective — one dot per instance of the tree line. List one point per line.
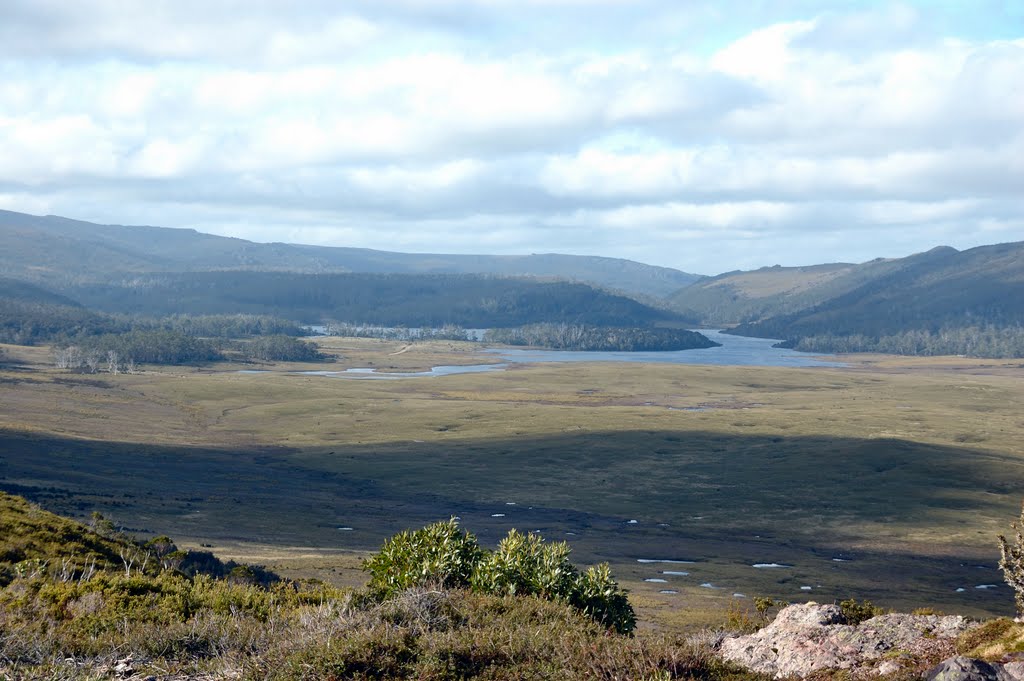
(117, 353)
(972, 341)
(391, 300)
(600, 338)
(450, 332)
(31, 322)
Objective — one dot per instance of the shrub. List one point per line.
(599, 596)
(1011, 562)
(739, 619)
(522, 565)
(764, 604)
(439, 554)
(855, 612)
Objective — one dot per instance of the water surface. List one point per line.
(734, 351)
(367, 372)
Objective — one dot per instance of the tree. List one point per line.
(113, 363)
(1011, 562)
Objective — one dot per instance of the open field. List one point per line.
(904, 469)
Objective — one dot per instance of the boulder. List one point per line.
(962, 668)
(809, 637)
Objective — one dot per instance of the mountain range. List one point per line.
(56, 249)
(939, 301)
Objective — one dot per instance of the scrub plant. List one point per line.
(522, 565)
(1011, 562)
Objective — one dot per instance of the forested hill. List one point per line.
(384, 299)
(29, 313)
(746, 297)
(50, 249)
(940, 302)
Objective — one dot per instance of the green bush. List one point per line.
(437, 555)
(522, 565)
(599, 596)
(855, 612)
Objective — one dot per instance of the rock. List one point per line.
(810, 637)
(888, 667)
(1014, 670)
(962, 668)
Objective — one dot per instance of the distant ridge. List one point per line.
(939, 289)
(941, 301)
(57, 249)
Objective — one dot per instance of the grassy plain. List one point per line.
(887, 480)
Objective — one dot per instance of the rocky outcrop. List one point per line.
(810, 637)
(962, 668)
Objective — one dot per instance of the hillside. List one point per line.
(56, 249)
(28, 533)
(925, 301)
(29, 313)
(471, 301)
(942, 301)
(747, 297)
(941, 287)
(77, 605)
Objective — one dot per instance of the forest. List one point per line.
(599, 338)
(471, 301)
(123, 352)
(972, 341)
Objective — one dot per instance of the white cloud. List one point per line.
(386, 124)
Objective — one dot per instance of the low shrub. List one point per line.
(523, 565)
(440, 554)
(855, 612)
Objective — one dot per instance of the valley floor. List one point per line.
(887, 480)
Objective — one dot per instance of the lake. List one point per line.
(734, 351)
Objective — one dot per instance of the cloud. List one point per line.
(442, 125)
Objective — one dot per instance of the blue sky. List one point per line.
(707, 136)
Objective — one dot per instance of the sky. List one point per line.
(705, 135)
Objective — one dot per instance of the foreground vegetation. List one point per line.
(72, 611)
(522, 565)
(76, 603)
